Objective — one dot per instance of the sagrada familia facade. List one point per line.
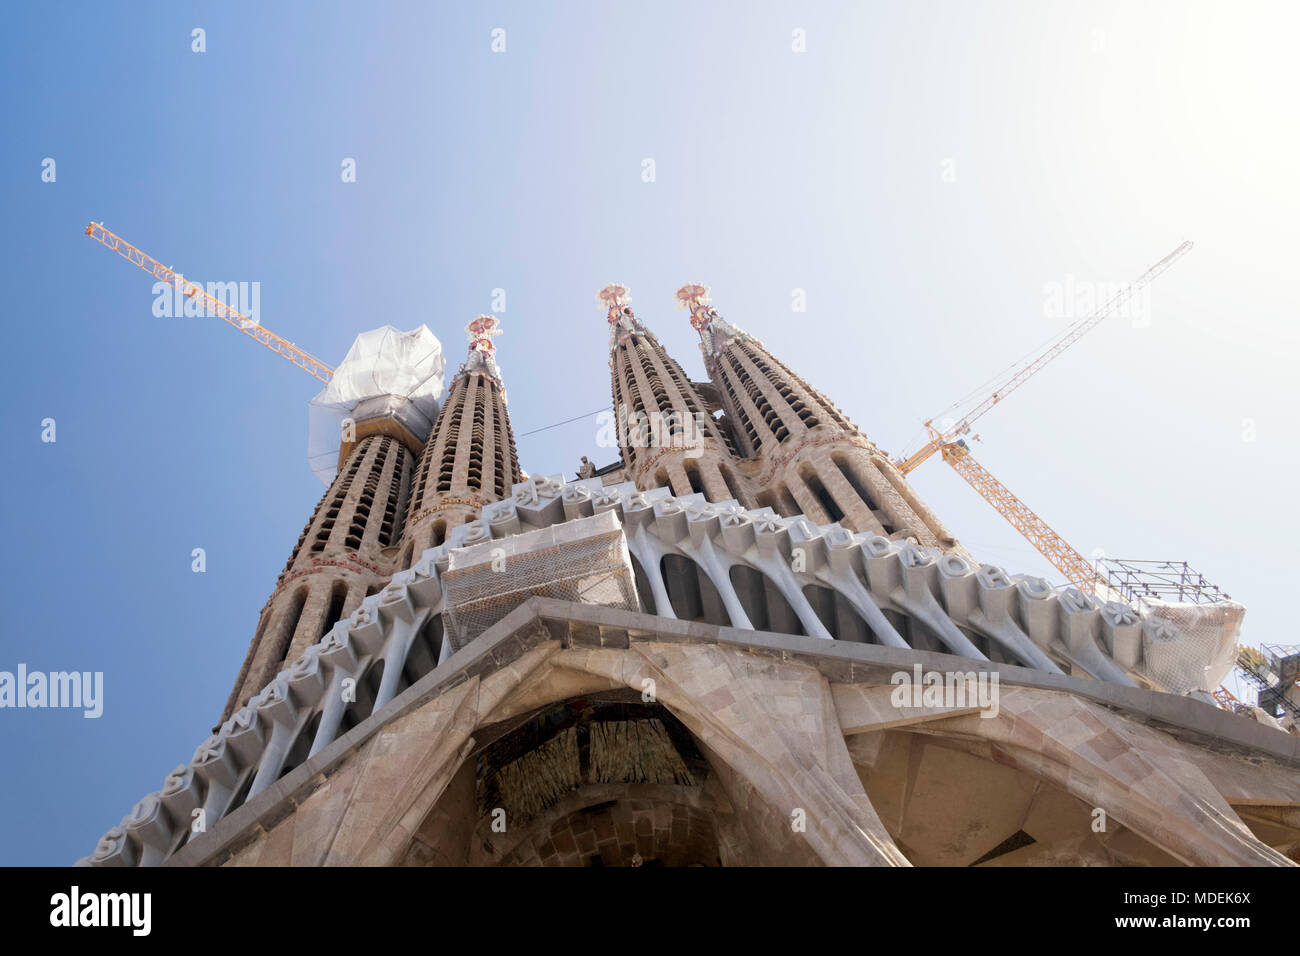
(746, 641)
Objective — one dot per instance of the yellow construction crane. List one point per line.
(1076, 568)
(211, 304)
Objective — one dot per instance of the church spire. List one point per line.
(470, 459)
(814, 461)
(666, 435)
(623, 322)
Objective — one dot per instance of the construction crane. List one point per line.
(1077, 569)
(1074, 566)
(947, 442)
(1227, 701)
(211, 304)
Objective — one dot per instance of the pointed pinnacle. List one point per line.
(614, 296)
(695, 297)
(481, 331)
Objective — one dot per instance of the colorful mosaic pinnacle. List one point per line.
(614, 296)
(695, 297)
(481, 332)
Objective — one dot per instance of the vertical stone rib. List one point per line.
(779, 405)
(492, 442)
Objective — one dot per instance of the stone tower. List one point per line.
(802, 453)
(667, 435)
(348, 548)
(470, 460)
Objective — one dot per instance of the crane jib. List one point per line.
(215, 306)
(1064, 341)
(1051, 545)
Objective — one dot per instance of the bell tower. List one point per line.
(666, 434)
(808, 458)
(470, 459)
(366, 432)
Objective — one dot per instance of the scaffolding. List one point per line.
(584, 560)
(1173, 581)
(1177, 595)
(1274, 670)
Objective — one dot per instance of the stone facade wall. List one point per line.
(805, 759)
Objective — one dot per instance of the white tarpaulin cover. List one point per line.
(381, 363)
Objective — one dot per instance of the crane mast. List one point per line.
(1077, 569)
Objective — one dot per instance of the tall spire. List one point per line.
(666, 435)
(769, 401)
(342, 555)
(470, 459)
(812, 459)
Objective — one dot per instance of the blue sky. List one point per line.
(924, 171)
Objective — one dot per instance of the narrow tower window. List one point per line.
(824, 497)
(338, 594)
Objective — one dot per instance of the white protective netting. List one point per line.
(381, 363)
(1190, 647)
